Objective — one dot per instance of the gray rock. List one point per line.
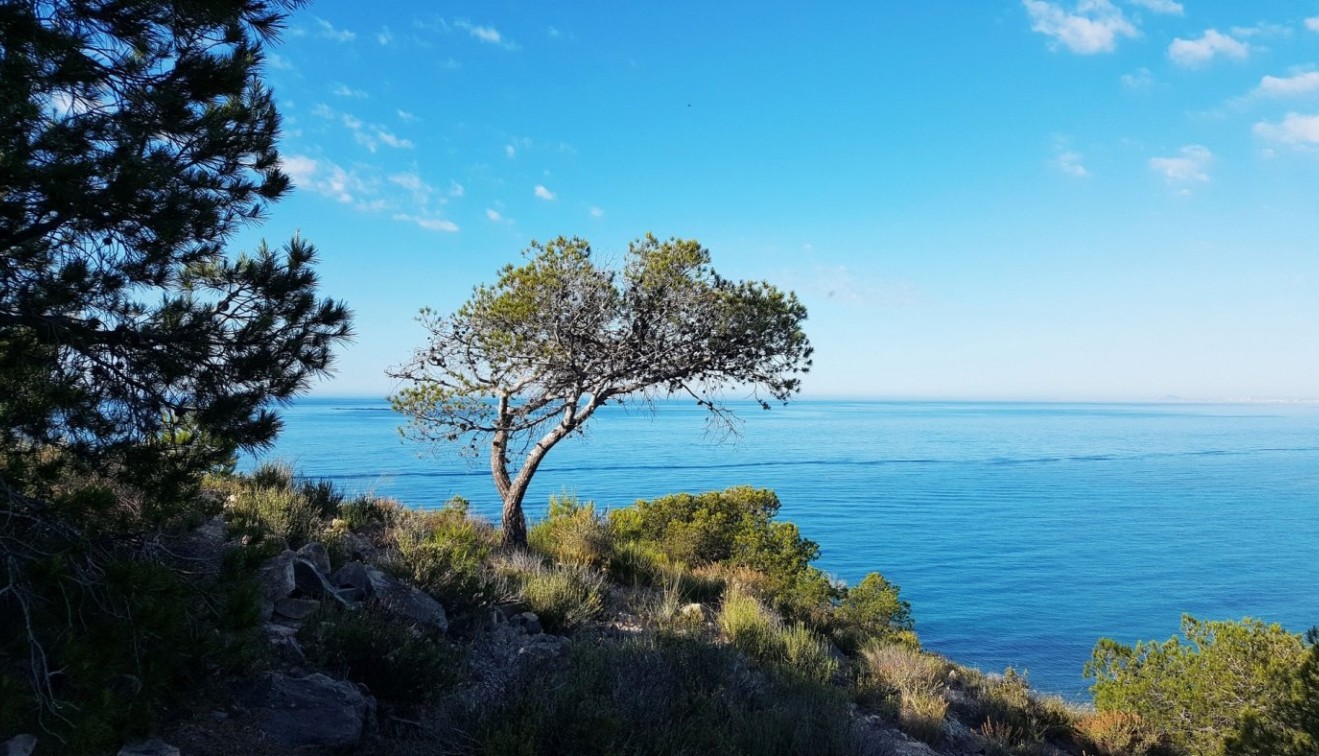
(312, 582)
(529, 622)
(276, 578)
(152, 747)
(355, 575)
(317, 555)
(308, 712)
(20, 745)
(296, 609)
(394, 595)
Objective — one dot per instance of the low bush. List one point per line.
(756, 631)
(372, 648)
(1011, 716)
(909, 685)
(734, 528)
(870, 610)
(269, 502)
(663, 695)
(445, 552)
(562, 596)
(573, 533)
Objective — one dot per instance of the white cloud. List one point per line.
(1192, 53)
(1191, 165)
(493, 215)
(352, 122)
(1092, 26)
(487, 34)
(1312, 23)
(385, 36)
(1069, 162)
(1294, 128)
(428, 223)
(343, 90)
(553, 32)
(510, 150)
(407, 117)
(412, 182)
(279, 62)
(456, 189)
(326, 30)
(544, 193)
(1160, 6)
(391, 140)
(324, 178)
(1142, 79)
(1288, 86)
(1262, 29)
(597, 212)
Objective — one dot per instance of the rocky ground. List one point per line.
(292, 707)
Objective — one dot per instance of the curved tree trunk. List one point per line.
(513, 523)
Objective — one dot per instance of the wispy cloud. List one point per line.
(1294, 129)
(369, 135)
(542, 193)
(279, 62)
(325, 178)
(597, 212)
(1189, 166)
(407, 117)
(456, 189)
(428, 223)
(1160, 6)
(1193, 53)
(326, 30)
(385, 36)
(510, 150)
(343, 90)
(1262, 29)
(493, 214)
(1091, 26)
(1071, 163)
(1140, 80)
(404, 196)
(1288, 86)
(390, 139)
(1312, 23)
(487, 34)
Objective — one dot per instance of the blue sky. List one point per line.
(1100, 200)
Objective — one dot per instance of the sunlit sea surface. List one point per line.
(1020, 533)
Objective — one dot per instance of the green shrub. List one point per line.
(735, 528)
(562, 596)
(1198, 691)
(362, 512)
(908, 684)
(573, 533)
(696, 529)
(444, 552)
(759, 633)
(1291, 727)
(872, 609)
(372, 648)
(124, 644)
(663, 695)
(271, 503)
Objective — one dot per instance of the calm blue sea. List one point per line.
(1020, 533)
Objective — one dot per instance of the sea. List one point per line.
(1021, 533)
